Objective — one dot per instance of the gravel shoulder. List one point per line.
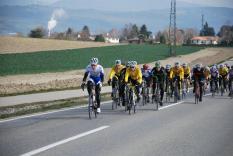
(72, 79)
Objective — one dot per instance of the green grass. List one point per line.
(64, 60)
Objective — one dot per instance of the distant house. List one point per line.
(205, 40)
(110, 38)
(135, 40)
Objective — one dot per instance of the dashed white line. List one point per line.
(45, 148)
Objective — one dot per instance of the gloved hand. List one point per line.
(83, 86)
(109, 82)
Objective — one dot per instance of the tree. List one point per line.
(207, 31)
(134, 31)
(99, 38)
(69, 33)
(189, 34)
(144, 31)
(162, 39)
(38, 32)
(226, 35)
(85, 34)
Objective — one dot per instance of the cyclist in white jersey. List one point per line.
(95, 74)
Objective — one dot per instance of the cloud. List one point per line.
(216, 3)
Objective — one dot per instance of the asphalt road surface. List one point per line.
(183, 129)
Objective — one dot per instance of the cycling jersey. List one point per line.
(223, 71)
(186, 72)
(231, 73)
(177, 72)
(115, 71)
(134, 75)
(146, 73)
(214, 73)
(96, 75)
(158, 75)
(198, 75)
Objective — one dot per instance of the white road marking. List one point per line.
(164, 107)
(49, 112)
(45, 148)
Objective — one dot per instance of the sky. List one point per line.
(218, 3)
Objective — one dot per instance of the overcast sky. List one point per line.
(219, 3)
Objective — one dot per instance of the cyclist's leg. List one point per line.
(161, 92)
(201, 90)
(90, 85)
(97, 93)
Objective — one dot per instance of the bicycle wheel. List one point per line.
(196, 99)
(90, 106)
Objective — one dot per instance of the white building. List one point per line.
(205, 40)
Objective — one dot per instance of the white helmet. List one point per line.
(168, 66)
(207, 68)
(198, 66)
(177, 64)
(118, 62)
(94, 61)
(133, 64)
(184, 64)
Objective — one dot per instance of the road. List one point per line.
(184, 129)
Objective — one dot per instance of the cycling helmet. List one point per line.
(118, 62)
(177, 64)
(145, 66)
(198, 66)
(207, 68)
(221, 66)
(168, 66)
(134, 62)
(128, 64)
(184, 64)
(157, 64)
(94, 61)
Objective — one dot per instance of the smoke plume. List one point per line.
(57, 14)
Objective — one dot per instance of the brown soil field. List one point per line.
(22, 45)
(63, 80)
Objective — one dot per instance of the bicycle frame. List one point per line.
(197, 92)
(130, 98)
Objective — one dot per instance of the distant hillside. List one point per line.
(24, 18)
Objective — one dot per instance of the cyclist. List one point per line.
(168, 81)
(115, 75)
(187, 74)
(214, 75)
(228, 66)
(146, 76)
(230, 79)
(198, 75)
(177, 73)
(223, 73)
(158, 76)
(95, 74)
(134, 76)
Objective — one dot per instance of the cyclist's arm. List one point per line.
(126, 76)
(112, 73)
(139, 76)
(102, 74)
(85, 76)
(171, 74)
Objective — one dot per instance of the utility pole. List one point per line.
(172, 29)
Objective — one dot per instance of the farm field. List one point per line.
(66, 60)
(24, 44)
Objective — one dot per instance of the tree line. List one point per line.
(133, 31)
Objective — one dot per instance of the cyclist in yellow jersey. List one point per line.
(187, 74)
(115, 74)
(223, 75)
(134, 75)
(177, 73)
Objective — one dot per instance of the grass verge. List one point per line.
(25, 109)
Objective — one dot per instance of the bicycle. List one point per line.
(115, 94)
(184, 88)
(197, 92)
(168, 92)
(92, 104)
(145, 93)
(231, 87)
(222, 90)
(156, 96)
(176, 90)
(214, 87)
(130, 98)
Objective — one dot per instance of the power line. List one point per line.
(172, 29)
